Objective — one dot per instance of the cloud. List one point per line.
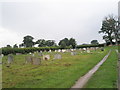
(8, 37)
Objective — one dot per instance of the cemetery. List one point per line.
(59, 44)
(47, 70)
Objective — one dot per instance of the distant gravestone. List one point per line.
(36, 61)
(73, 53)
(46, 57)
(40, 54)
(28, 59)
(18, 53)
(57, 56)
(10, 58)
(88, 51)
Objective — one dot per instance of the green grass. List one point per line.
(106, 76)
(50, 74)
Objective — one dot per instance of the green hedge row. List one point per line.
(7, 51)
(88, 46)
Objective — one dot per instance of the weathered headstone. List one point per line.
(73, 53)
(28, 59)
(46, 57)
(36, 61)
(57, 56)
(10, 58)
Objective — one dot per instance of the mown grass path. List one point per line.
(83, 80)
(106, 76)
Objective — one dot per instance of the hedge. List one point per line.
(7, 51)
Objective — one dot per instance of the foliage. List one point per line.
(109, 29)
(94, 42)
(15, 46)
(67, 43)
(44, 43)
(28, 41)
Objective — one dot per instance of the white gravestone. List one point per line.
(57, 56)
(46, 57)
(73, 53)
(10, 58)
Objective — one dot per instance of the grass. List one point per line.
(50, 74)
(106, 76)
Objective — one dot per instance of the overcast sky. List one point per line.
(53, 19)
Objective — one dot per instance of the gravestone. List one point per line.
(88, 51)
(28, 59)
(40, 54)
(73, 53)
(46, 57)
(57, 56)
(33, 54)
(10, 58)
(36, 61)
(18, 53)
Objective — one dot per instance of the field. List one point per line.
(55, 73)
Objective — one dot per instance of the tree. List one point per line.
(15, 46)
(94, 42)
(50, 43)
(28, 41)
(109, 25)
(72, 42)
(8, 46)
(67, 42)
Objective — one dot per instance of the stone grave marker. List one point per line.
(18, 53)
(36, 61)
(40, 54)
(88, 51)
(46, 57)
(73, 53)
(28, 59)
(10, 58)
(57, 56)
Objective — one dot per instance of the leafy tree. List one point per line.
(109, 25)
(67, 42)
(15, 46)
(94, 42)
(72, 42)
(28, 41)
(50, 43)
(8, 46)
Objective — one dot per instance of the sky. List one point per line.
(53, 19)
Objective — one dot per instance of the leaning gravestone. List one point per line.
(73, 53)
(36, 61)
(46, 57)
(10, 58)
(57, 56)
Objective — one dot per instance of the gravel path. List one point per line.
(83, 80)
